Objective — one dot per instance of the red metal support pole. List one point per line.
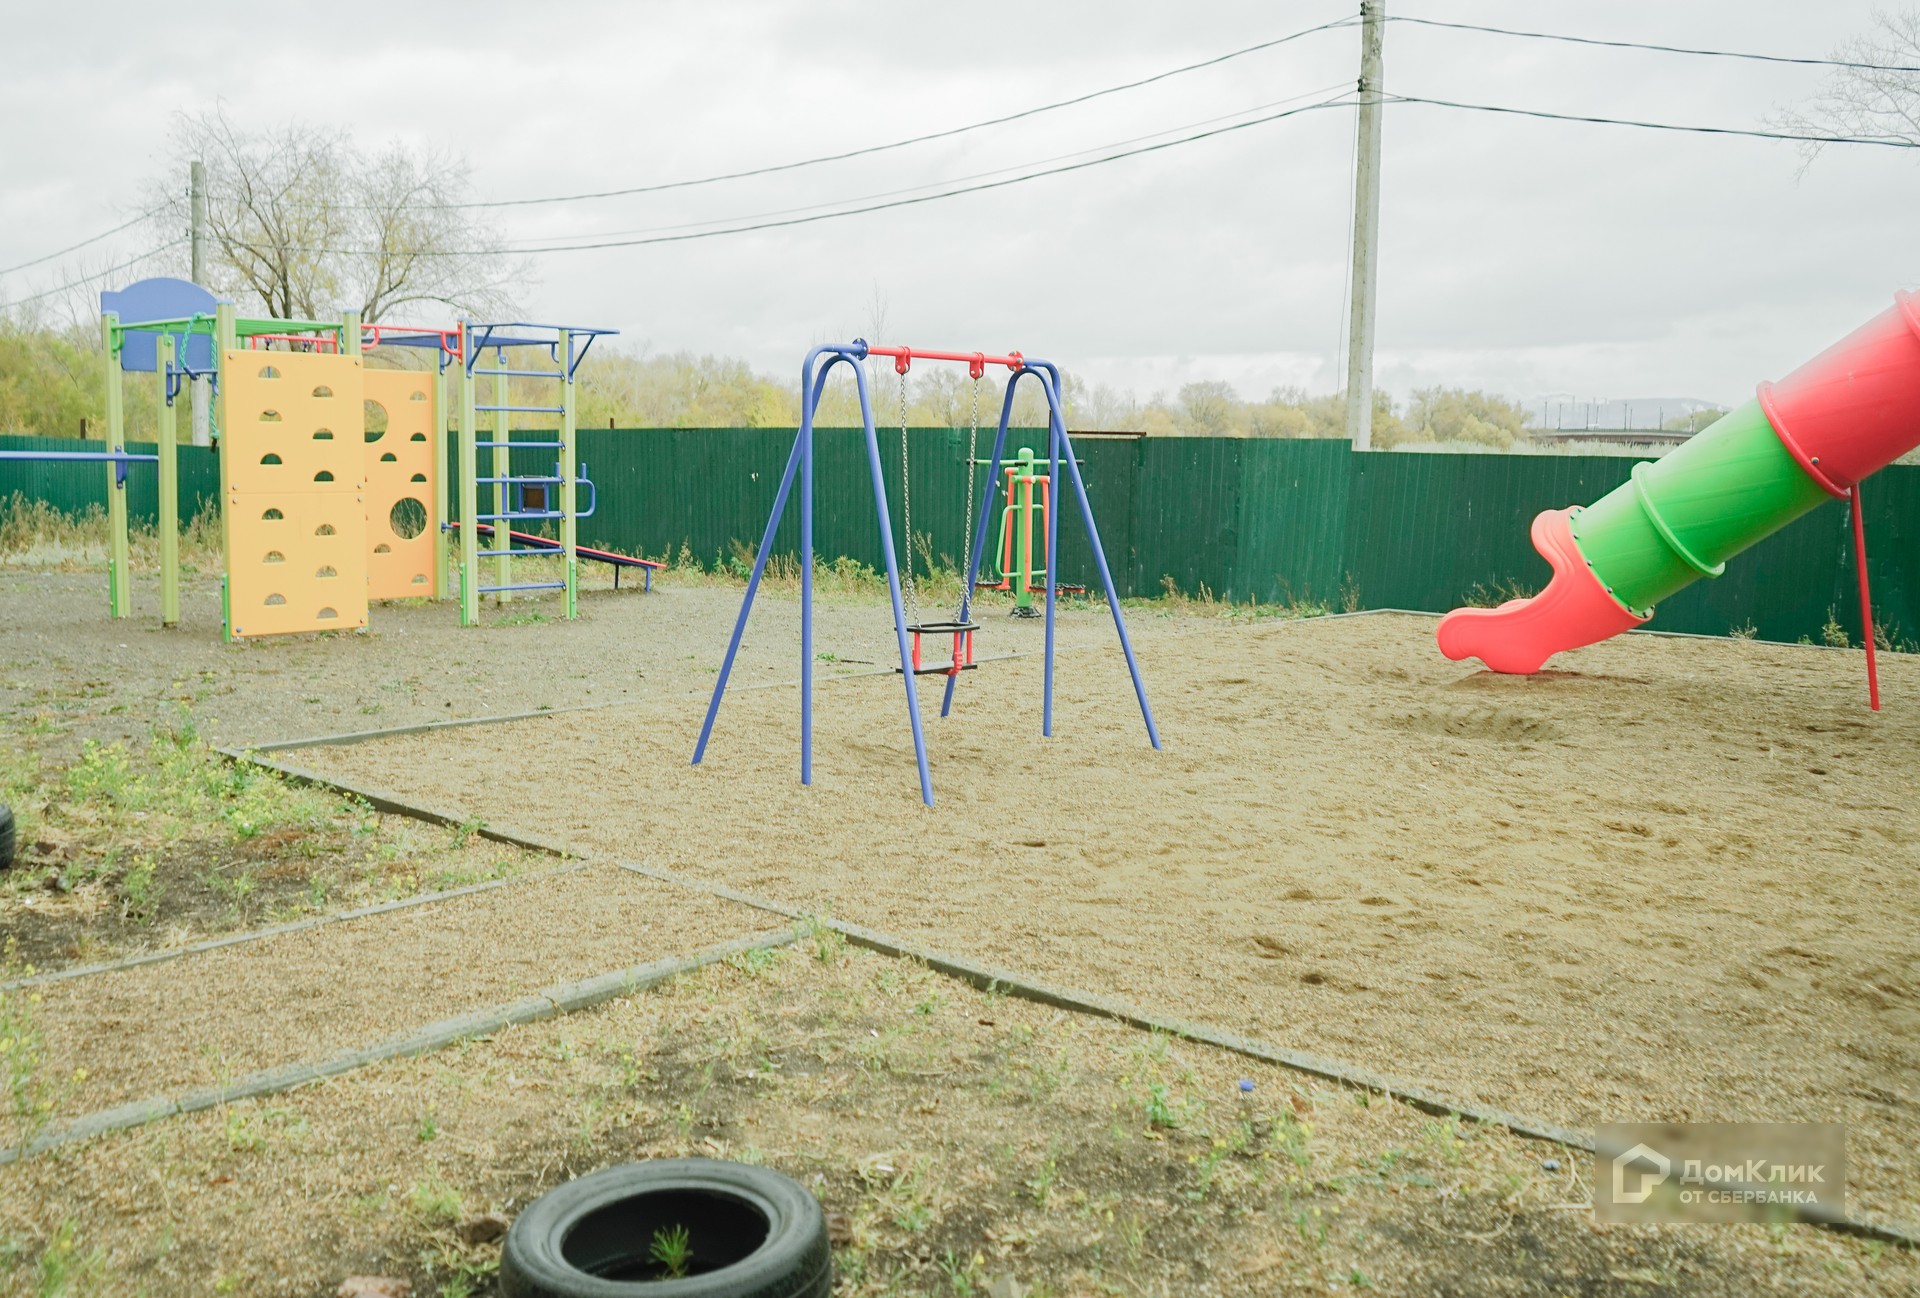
(1866, 596)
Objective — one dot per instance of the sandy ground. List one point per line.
(1664, 880)
(212, 1018)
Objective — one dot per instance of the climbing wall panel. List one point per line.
(294, 457)
(402, 468)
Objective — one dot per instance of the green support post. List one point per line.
(569, 490)
(502, 462)
(119, 591)
(351, 343)
(225, 338)
(469, 489)
(440, 493)
(167, 446)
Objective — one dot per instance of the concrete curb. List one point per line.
(563, 998)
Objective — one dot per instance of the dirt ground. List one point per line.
(1664, 880)
(1643, 885)
(962, 1144)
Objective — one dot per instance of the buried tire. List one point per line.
(749, 1232)
(6, 837)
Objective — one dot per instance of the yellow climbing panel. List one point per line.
(294, 458)
(402, 468)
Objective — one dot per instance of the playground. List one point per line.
(1476, 886)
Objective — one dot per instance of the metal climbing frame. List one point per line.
(1059, 452)
(567, 346)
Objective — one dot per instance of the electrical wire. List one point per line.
(8, 304)
(1887, 142)
(1663, 49)
(978, 175)
(75, 247)
(872, 207)
(948, 133)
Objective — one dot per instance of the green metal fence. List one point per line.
(1273, 520)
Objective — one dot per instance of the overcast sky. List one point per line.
(1524, 256)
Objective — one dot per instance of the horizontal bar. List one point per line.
(525, 585)
(488, 371)
(531, 410)
(488, 518)
(555, 481)
(527, 446)
(111, 457)
(500, 554)
(1013, 360)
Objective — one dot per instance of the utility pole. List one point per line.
(197, 201)
(1366, 228)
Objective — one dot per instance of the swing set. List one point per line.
(909, 630)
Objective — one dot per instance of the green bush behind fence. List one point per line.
(1272, 520)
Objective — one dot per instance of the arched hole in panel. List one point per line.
(416, 395)
(325, 529)
(268, 372)
(270, 458)
(325, 615)
(325, 475)
(389, 458)
(420, 579)
(376, 420)
(269, 416)
(383, 548)
(323, 391)
(418, 437)
(418, 477)
(323, 434)
(271, 514)
(407, 518)
(273, 600)
(274, 556)
(327, 570)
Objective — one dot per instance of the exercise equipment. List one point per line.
(1029, 496)
(800, 465)
(1814, 435)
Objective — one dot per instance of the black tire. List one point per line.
(763, 1234)
(6, 837)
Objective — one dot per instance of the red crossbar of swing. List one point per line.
(977, 362)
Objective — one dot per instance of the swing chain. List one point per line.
(966, 554)
(909, 590)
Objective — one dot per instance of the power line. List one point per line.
(1879, 141)
(88, 279)
(978, 175)
(917, 139)
(1663, 49)
(857, 211)
(8, 270)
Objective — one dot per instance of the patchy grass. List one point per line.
(127, 846)
(963, 1143)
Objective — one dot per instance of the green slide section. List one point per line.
(1683, 516)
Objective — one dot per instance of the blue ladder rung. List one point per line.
(481, 372)
(544, 410)
(537, 554)
(522, 478)
(527, 446)
(495, 518)
(525, 585)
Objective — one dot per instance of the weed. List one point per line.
(1040, 1184)
(1833, 633)
(1745, 631)
(426, 1128)
(434, 1202)
(672, 1248)
(756, 961)
(828, 942)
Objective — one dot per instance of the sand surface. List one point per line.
(1667, 880)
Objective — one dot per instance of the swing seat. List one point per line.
(962, 633)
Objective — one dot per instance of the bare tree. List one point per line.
(1869, 102)
(303, 223)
